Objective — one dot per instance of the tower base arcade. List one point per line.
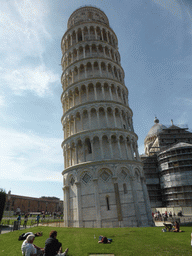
(106, 194)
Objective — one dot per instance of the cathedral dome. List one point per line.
(156, 128)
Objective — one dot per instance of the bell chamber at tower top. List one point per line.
(86, 15)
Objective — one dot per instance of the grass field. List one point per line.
(126, 241)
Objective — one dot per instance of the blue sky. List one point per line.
(155, 43)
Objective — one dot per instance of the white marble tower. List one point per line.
(103, 180)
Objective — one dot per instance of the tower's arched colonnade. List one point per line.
(103, 177)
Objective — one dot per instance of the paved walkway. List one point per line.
(9, 229)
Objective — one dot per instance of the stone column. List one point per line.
(119, 147)
(70, 155)
(111, 149)
(80, 96)
(97, 111)
(95, 33)
(79, 222)
(71, 40)
(74, 125)
(118, 202)
(89, 116)
(132, 152)
(126, 149)
(102, 35)
(87, 95)
(100, 73)
(81, 121)
(84, 156)
(85, 71)
(76, 33)
(65, 158)
(95, 92)
(84, 52)
(92, 148)
(89, 33)
(66, 206)
(104, 51)
(67, 80)
(97, 203)
(103, 92)
(107, 37)
(114, 117)
(73, 99)
(69, 127)
(134, 194)
(146, 201)
(118, 75)
(72, 76)
(110, 91)
(101, 147)
(110, 54)
(107, 120)
(121, 119)
(78, 73)
(76, 152)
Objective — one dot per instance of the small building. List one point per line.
(24, 204)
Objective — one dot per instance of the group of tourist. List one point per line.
(52, 246)
(162, 217)
(169, 227)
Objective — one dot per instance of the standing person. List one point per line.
(19, 221)
(25, 221)
(37, 219)
(29, 249)
(53, 246)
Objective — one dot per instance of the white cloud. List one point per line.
(184, 101)
(183, 120)
(30, 157)
(37, 80)
(170, 5)
(23, 28)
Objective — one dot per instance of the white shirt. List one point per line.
(28, 248)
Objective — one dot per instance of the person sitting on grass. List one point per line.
(52, 246)
(29, 249)
(104, 240)
(176, 227)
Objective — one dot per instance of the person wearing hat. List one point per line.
(29, 249)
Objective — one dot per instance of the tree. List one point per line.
(2, 202)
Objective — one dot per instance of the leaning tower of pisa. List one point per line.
(103, 180)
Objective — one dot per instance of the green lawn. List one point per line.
(126, 241)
